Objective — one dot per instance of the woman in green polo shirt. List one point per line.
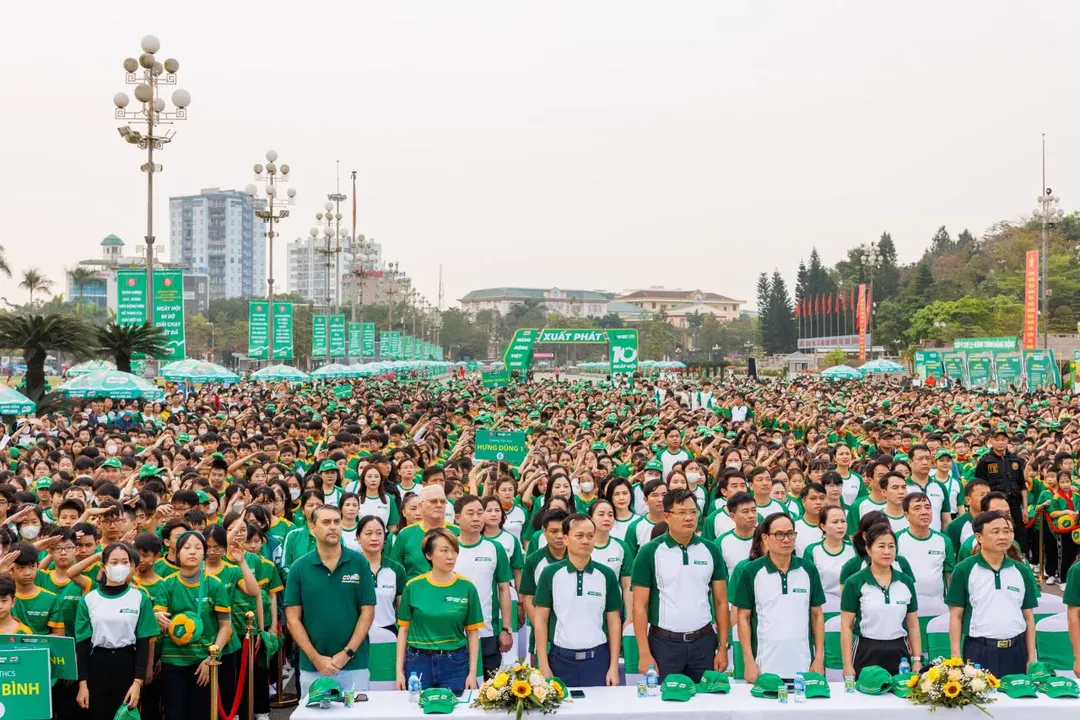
(440, 618)
(299, 542)
(194, 614)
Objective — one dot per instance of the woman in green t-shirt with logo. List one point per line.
(194, 614)
(440, 618)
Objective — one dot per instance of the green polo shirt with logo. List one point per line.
(67, 597)
(331, 603)
(407, 551)
(208, 600)
(437, 616)
(38, 611)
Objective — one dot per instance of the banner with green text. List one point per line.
(367, 340)
(518, 355)
(355, 341)
(623, 345)
(284, 348)
(318, 335)
(981, 370)
(169, 312)
(1010, 369)
(258, 329)
(337, 336)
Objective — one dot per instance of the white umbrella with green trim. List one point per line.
(112, 384)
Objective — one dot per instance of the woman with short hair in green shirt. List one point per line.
(440, 618)
(194, 614)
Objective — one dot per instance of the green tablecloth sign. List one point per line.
(25, 693)
(61, 651)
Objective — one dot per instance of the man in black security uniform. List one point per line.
(1004, 471)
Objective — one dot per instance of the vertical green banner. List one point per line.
(130, 297)
(410, 347)
(318, 335)
(395, 344)
(1010, 369)
(384, 345)
(623, 346)
(367, 340)
(355, 341)
(337, 336)
(258, 329)
(518, 355)
(981, 370)
(169, 312)
(1039, 366)
(283, 331)
(954, 363)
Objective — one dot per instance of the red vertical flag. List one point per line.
(861, 315)
(1031, 300)
(797, 306)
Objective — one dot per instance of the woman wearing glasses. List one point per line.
(778, 599)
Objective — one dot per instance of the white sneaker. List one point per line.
(1050, 580)
(262, 716)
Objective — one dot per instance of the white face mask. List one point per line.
(652, 476)
(117, 573)
(693, 478)
(30, 531)
(294, 493)
(734, 464)
(238, 507)
(212, 507)
(110, 449)
(587, 486)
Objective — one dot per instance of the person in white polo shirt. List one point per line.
(808, 525)
(920, 481)
(778, 603)
(577, 610)
(959, 530)
(879, 624)
(929, 553)
(735, 543)
(483, 562)
(991, 599)
(680, 585)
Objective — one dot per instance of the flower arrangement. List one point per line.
(952, 683)
(519, 689)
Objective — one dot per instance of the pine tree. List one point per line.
(818, 281)
(764, 298)
(800, 282)
(887, 274)
(941, 243)
(782, 327)
(924, 283)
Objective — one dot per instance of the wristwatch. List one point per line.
(508, 630)
(349, 652)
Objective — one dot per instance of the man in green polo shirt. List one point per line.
(406, 550)
(330, 605)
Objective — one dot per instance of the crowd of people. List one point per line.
(689, 509)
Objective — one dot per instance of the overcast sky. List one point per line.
(566, 143)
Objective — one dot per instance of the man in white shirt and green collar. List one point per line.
(680, 585)
(808, 525)
(920, 481)
(991, 602)
(874, 501)
(674, 452)
(929, 553)
(895, 488)
(761, 487)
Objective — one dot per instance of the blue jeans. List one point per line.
(437, 669)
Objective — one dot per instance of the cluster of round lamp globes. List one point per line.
(365, 255)
(144, 91)
(272, 171)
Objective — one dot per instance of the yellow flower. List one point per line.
(492, 693)
(558, 690)
(933, 674)
(519, 668)
(955, 675)
(521, 689)
(992, 681)
(501, 679)
(951, 689)
(913, 681)
(953, 662)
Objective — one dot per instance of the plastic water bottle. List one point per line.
(800, 688)
(414, 688)
(905, 666)
(652, 681)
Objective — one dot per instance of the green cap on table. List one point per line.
(714, 682)
(1059, 687)
(901, 684)
(767, 685)
(678, 688)
(324, 688)
(1018, 686)
(1039, 671)
(816, 685)
(873, 680)
(437, 701)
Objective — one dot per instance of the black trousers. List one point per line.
(1051, 553)
(109, 677)
(150, 704)
(883, 653)
(490, 657)
(684, 658)
(64, 694)
(1068, 554)
(182, 697)
(998, 660)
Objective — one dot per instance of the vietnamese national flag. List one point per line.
(797, 306)
(817, 305)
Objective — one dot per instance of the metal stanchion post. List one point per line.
(214, 663)
(1042, 547)
(284, 700)
(250, 618)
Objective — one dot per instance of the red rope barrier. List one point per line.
(239, 686)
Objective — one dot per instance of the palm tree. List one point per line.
(80, 278)
(123, 341)
(36, 334)
(34, 280)
(4, 267)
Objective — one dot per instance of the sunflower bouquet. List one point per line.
(952, 683)
(519, 689)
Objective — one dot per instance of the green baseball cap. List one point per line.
(43, 484)
(767, 685)
(270, 644)
(714, 682)
(144, 472)
(126, 713)
(900, 684)
(816, 685)
(874, 680)
(654, 464)
(944, 452)
(324, 688)
(1018, 686)
(678, 688)
(1059, 687)
(326, 465)
(437, 701)
(1039, 671)
(204, 498)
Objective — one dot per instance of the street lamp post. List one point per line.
(151, 112)
(327, 221)
(1048, 214)
(391, 274)
(871, 258)
(274, 211)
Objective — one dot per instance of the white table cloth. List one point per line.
(622, 703)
